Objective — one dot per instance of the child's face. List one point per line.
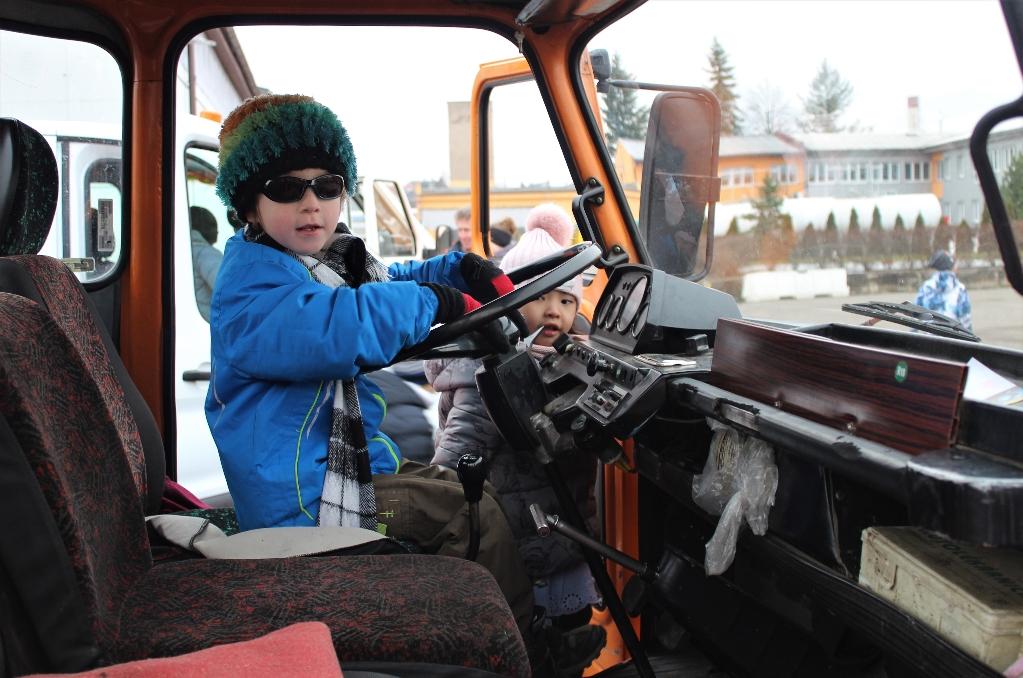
(304, 226)
(555, 311)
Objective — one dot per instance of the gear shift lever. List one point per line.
(472, 473)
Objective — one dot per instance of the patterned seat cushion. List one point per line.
(411, 608)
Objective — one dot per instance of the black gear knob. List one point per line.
(472, 473)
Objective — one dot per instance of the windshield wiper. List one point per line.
(914, 316)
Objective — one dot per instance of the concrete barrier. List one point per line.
(773, 285)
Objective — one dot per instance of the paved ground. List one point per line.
(997, 312)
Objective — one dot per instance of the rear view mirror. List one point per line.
(444, 237)
(680, 182)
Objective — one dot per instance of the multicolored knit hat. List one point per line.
(273, 134)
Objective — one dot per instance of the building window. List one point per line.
(975, 211)
(960, 168)
(927, 171)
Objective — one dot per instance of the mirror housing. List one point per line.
(680, 181)
(443, 238)
(600, 62)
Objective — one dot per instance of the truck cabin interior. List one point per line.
(774, 497)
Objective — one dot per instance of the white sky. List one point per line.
(391, 86)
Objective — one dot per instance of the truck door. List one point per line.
(201, 230)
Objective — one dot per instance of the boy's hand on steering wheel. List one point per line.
(451, 303)
(485, 280)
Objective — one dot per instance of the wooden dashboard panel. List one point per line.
(904, 401)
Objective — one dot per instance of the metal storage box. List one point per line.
(971, 595)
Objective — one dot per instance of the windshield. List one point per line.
(843, 159)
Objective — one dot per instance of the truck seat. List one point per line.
(28, 198)
(86, 573)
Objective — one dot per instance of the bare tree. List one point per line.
(768, 112)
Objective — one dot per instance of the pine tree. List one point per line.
(1012, 188)
(830, 239)
(900, 240)
(920, 242)
(875, 217)
(625, 118)
(767, 209)
(829, 96)
(733, 227)
(808, 244)
(722, 83)
(944, 237)
(854, 245)
(964, 241)
(876, 241)
(987, 243)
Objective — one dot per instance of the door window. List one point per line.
(394, 230)
(71, 93)
(208, 223)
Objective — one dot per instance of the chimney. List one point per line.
(913, 116)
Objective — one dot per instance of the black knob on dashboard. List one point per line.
(561, 342)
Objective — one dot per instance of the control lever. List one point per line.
(547, 523)
(472, 473)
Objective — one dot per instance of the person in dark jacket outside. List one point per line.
(500, 243)
(300, 314)
(562, 581)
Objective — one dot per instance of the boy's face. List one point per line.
(555, 311)
(304, 226)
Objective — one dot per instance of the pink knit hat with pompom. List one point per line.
(536, 245)
(551, 218)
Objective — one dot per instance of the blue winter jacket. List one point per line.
(279, 341)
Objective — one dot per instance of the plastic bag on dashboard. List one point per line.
(738, 482)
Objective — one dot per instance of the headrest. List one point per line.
(28, 188)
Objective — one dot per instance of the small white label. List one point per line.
(80, 265)
(105, 226)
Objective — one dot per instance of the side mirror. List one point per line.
(680, 182)
(445, 236)
(600, 62)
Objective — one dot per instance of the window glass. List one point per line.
(208, 223)
(71, 93)
(527, 165)
(355, 217)
(868, 149)
(393, 228)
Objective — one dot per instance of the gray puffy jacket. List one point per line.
(520, 480)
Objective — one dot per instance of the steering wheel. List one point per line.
(556, 269)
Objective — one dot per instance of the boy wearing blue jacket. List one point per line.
(298, 311)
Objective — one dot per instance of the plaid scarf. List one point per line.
(348, 498)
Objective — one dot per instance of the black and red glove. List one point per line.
(451, 303)
(486, 282)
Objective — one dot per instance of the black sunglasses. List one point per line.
(291, 189)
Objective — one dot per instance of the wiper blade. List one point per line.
(914, 316)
